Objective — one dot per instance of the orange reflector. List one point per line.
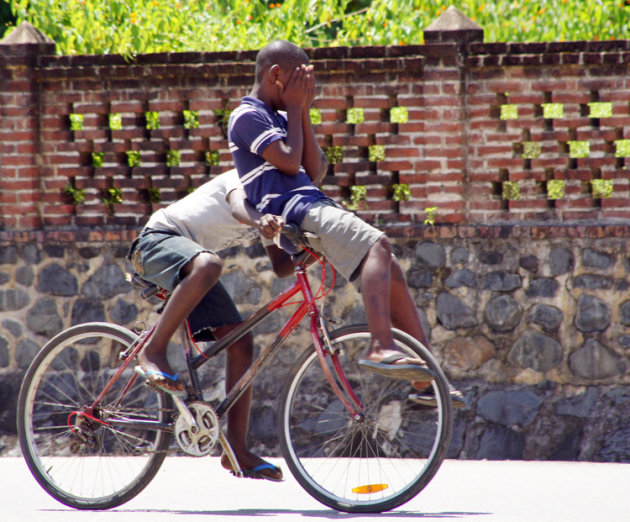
(370, 488)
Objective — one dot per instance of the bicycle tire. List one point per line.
(374, 462)
(98, 462)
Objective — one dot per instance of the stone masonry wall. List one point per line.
(533, 326)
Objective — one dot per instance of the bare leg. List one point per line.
(239, 358)
(379, 272)
(405, 316)
(376, 289)
(199, 276)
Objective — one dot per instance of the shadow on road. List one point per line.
(315, 513)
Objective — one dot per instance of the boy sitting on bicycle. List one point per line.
(176, 251)
(278, 160)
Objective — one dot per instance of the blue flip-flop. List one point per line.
(259, 472)
(161, 381)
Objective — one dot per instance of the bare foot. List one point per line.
(152, 363)
(253, 466)
(159, 372)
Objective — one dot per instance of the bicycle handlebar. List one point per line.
(292, 233)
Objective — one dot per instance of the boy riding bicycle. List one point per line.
(278, 160)
(176, 251)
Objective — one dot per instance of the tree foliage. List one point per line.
(144, 26)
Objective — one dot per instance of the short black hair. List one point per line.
(282, 52)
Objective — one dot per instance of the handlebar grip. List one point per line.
(292, 232)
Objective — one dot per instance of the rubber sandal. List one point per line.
(259, 472)
(265, 471)
(388, 368)
(427, 398)
(162, 381)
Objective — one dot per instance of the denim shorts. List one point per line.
(159, 257)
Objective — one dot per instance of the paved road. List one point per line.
(188, 489)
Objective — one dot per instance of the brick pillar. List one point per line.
(445, 147)
(20, 165)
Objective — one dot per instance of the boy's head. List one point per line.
(281, 53)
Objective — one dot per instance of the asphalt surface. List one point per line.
(190, 489)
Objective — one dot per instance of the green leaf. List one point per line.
(315, 115)
(173, 158)
(602, 188)
(553, 110)
(334, 154)
(579, 149)
(600, 110)
(98, 159)
(555, 189)
(76, 122)
(401, 192)
(511, 190)
(154, 195)
(153, 120)
(531, 149)
(133, 158)
(509, 112)
(622, 148)
(76, 196)
(376, 153)
(212, 157)
(112, 196)
(191, 119)
(355, 115)
(399, 115)
(358, 193)
(115, 121)
(431, 215)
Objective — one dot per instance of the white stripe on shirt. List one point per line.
(264, 136)
(265, 201)
(255, 173)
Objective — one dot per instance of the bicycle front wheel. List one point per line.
(91, 458)
(381, 456)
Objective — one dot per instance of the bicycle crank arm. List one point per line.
(188, 417)
(227, 449)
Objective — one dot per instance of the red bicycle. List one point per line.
(94, 433)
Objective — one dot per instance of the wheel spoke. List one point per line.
(80, 456)
(372, 462)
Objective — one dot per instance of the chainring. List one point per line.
(198, 440)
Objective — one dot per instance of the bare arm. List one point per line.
(281, 261)
(244, 212)
(287, 155)
(314, 159)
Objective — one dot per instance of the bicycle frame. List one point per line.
(335, 377)
(308, 306)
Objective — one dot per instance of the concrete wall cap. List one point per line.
(453, 25)
(26, 33)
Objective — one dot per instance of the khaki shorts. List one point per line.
(341, 236)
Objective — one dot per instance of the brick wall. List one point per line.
(481, 121)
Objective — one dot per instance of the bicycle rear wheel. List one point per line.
(91, 459)
(376, 460)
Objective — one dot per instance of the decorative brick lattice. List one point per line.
(482, 132)
(562, 121)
